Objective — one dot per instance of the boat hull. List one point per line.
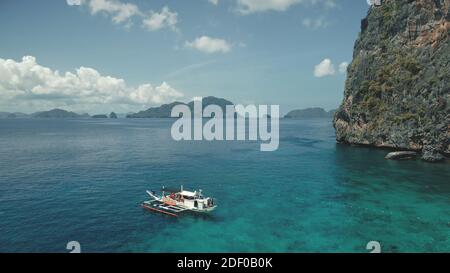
(174, 206)
(171, 208)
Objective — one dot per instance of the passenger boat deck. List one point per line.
(178, 201)
(159, 206)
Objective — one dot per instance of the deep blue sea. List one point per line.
(83, 180)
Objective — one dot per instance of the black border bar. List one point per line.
(159, 262)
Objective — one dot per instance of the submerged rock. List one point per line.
(431, 154)
(401, 155)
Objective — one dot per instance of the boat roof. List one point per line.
(188, 193)
(175, 190)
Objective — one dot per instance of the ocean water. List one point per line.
(84, 180)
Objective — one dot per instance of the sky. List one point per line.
(99, 56)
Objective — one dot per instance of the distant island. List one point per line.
(100, 116)
(164, 111)
(13, 115)
(56, 113)
(315, 112)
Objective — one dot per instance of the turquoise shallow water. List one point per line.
(83, 180)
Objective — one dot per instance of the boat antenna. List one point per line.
(181, 187)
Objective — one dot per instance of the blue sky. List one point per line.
(128, 55)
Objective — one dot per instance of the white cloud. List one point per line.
(214, 2)
(314, 23)
(343, 67)
(209, 45)
(119, 11)
(324, 68)
(253, 6)
(124, 13)
(28, 83)
(330, 4)
(74, 2)
(165, 18)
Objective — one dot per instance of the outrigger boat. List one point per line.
(175, 201)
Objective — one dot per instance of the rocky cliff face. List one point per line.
(397, 92)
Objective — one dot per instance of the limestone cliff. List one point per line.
(397, 92)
